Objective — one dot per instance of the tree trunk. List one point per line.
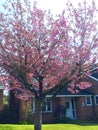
(38, 114)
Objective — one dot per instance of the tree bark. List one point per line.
(38, 114)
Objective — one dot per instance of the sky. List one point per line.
(56, 6)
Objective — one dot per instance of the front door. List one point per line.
(70, 108)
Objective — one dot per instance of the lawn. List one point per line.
(51, 127)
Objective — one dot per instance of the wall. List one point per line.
(47, 117)
(1, 100)
(83, 111)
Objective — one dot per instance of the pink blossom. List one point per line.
(63, 22)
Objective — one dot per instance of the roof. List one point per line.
(82, 92)
(95, 75)
(65, 93)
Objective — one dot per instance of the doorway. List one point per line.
(70, 108)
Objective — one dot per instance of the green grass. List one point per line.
(51, 127)
(16, 127)
(66, 124)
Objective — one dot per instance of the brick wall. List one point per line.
(83, 112)
(1, 100)
(47, 117)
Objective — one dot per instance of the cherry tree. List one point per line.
(41, 54)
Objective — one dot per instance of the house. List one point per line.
(1, 98)
(82, 105)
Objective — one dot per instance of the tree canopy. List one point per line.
(41, 54)
(35, 47)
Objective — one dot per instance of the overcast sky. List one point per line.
(56, 6)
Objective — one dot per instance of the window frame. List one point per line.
(95, 99)
(90, 104)
(46, 106)
(33, 106)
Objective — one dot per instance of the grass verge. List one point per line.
(63, 125)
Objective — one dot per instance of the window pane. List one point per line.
(44, 106)
(88, 101)
(96, 99)
(67, 105)
(33, 106)
(47, 106)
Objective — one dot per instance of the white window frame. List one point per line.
(95, 99)
(33, 106)
(46, 106)
(90, 104)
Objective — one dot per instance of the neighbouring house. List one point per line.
(1, 98)
(82, 105)
(1, 101)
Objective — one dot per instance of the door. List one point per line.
(70, 108)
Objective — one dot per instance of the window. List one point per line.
(88, 101)
(96, 100)
(33, 106)
(67, 105)
(47, 105)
